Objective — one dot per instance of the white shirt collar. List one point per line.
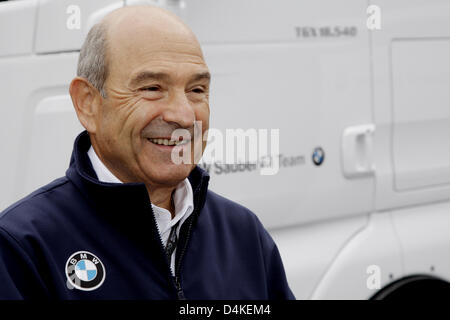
(103, 173)
(183, 197)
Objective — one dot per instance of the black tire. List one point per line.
(417, 287)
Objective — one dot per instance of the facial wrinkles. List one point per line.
(123, 108)
(170, 52)
(171, 58)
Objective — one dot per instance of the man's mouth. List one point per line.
(167, 142)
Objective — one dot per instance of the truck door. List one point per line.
(412, 113)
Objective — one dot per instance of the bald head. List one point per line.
(121, 31)
(159, 22)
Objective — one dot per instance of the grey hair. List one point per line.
(92, 62)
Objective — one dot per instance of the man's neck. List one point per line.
(163, 198)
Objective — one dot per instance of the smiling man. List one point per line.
(127, 222)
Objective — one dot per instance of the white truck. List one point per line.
(360, 93)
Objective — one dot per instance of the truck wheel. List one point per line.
(415, 287)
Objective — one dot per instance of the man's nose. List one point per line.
(179, 110)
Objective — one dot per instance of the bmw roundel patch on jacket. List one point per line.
(84, 271)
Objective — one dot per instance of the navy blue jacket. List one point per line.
(223, 252)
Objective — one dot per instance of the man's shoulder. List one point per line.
(216, 200)
(233, 218)
(222, 208)
(41, 201)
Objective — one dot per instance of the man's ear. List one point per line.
(87, 101)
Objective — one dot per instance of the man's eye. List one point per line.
(198, 90)
(152, 88)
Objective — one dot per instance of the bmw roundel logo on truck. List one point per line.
(318, 156)
(84, 271)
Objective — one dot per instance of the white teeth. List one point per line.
(167, 142)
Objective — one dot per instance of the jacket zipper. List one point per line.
(178, 265)
(175, 281)
(180, 293)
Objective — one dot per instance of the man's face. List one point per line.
(157, 82)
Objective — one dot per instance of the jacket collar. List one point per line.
(115, 196)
